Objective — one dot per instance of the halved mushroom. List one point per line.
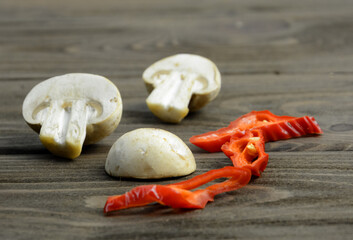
(180, 83)
(149, 153)
(71, 110)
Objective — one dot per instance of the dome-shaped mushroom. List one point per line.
(149, 153)
(71, 110)
(180, 83)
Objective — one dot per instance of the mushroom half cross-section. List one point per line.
(71, 110)
(180, 83)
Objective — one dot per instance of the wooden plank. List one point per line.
(291, 57)
(298, 190)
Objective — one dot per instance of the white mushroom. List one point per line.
(149, 153)
(71, 110)
(179, 83)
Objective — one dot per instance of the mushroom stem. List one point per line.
(64, 129)
(170, 98)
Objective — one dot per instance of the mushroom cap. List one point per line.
(208, 83)
(149, 153)
(101, 97)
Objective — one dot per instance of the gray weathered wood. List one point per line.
(291, 57)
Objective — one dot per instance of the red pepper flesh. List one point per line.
(178, 195)
(297, 127)
(274, 127)
(247, 151)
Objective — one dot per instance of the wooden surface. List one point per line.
(291, 57)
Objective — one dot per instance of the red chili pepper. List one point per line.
(247, 151)
(274, 127)
(178, 195)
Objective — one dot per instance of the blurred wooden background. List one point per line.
(290, 57)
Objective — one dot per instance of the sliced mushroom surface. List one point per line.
(180, 83)
(149, 153)
(71, 110)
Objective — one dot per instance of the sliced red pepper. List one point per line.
(274, 127)
(247, 151)
(257, 118)
(178, 195)
(296, 127)
(213, 141)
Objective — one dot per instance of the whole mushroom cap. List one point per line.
(149, 153)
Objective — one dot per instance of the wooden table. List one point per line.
(291, 57)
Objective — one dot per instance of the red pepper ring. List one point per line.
(247, 151)
(177, 195)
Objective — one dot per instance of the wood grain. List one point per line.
(291, 57)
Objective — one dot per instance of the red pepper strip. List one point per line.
(247, 151)
(290, 129)
(178, 195)
(213, 141)
(257, 118)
